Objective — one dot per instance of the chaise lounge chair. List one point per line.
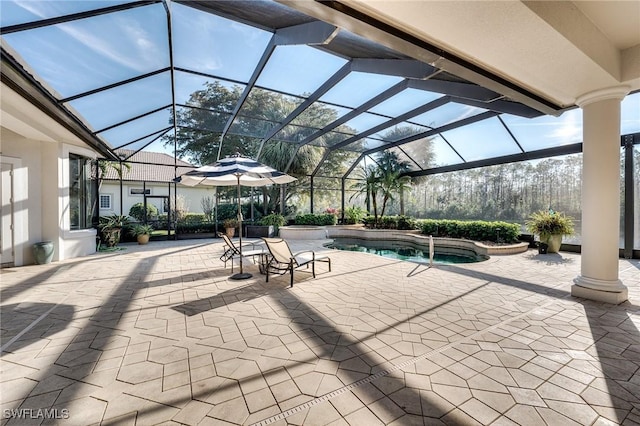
(282, 260)
(231, 250)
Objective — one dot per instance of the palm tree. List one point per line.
(390, 178)
(118, 166)
(277, 155)
(369, 185)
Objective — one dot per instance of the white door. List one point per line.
(7, 236)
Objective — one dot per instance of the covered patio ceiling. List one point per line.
(342, 79)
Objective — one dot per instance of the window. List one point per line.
(139, 191)
(105, 202)
(82, 191)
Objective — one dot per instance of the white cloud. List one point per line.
(569, 127)
(129, 45)
(37, 8)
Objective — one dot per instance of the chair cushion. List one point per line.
(303, 259)
(251, 252)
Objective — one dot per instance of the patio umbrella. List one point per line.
(240, 171)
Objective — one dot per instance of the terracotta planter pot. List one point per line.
(230, 232)
(143, 239)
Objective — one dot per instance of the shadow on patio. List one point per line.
(192, 346)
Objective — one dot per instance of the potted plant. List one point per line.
(550, 226)
(110, 228)
(267, 226)
(142, 233)
(230, 226)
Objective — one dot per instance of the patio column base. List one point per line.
(600, 290)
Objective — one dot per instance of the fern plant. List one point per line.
(545, 223)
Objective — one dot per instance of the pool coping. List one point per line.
(418, 238)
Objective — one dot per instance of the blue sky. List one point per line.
(75, 57)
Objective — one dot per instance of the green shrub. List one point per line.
(227, 211)
(388, 222)
(195, 228)
(161, 223)
(368, 221)
(316, 219)
(273, 219)
(140, 230)
(404, 223)
(194, 218)
(137, 211)
(230, 211)
(545, 223)
(354, 214)
(476, 230)
(407, 223)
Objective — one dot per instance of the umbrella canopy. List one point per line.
(240, 171)
(226, 172)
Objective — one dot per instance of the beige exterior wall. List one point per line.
(28, 192)
(41, 197)
(192, 195)
(40, 149)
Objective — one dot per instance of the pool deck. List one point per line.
(159, 334)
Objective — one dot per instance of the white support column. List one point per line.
(598, 279)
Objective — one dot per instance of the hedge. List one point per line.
(391, 222)
(316, 219)
(476, 230)
(195, 228)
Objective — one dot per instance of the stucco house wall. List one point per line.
(191, 195)
(38, 150)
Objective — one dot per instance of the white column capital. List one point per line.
(616, 92)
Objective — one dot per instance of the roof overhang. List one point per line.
(544, 54)
(23, 84)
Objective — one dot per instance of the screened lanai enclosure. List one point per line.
(197, 81)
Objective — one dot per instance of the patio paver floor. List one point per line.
(158, 334)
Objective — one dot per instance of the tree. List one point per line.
(208, 205)
(391, 181)
(118, 166)
(368, 185)
(201, 123)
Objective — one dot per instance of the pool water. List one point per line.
(406, 251)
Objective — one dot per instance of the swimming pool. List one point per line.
(407, 251)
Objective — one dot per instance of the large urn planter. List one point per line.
(553, 243)
(230, 226)
(550, 226)
(231, 232)
(111, 236)
(43, 252)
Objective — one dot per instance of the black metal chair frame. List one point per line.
(231, 250)
(281, 263)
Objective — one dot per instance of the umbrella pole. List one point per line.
(241, 275)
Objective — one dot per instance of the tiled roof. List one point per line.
(154, 171)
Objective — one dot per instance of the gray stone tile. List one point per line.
(363, 417)
(578, 412)
(525, 415)
(479, 411)
(234, 411)
(259, 400)
(243, 350)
